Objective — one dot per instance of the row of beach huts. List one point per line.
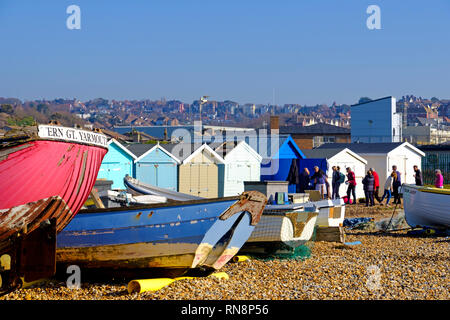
(219, 169)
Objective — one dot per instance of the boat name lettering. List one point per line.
(54, 132)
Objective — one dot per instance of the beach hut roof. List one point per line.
(122, 147)
(225, 148)
(371, 148)
(328, 153)
(141, 150)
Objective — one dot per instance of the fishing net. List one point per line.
(369, 224)
(289, 251)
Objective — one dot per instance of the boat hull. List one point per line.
(135, 186)
(426, 207)
(59, 174)
(184, 235)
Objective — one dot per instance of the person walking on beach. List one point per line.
(418, 176)
(338, 178)
(396, 185)
(351, 182)
(439, 181)
(388, 188)
(319, 181)
(304, 180)
(369, 183)
(376, 190)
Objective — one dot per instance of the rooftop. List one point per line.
(317, 129)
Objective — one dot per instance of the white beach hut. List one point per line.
(241, 163)
(382, 156)
(342, 157)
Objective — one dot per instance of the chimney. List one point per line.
(274, 123)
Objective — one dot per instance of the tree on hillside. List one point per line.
(7, 108)
(364, 99)
(42, 108)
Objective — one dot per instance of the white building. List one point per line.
(382, 156)
(376, 121)
(344, 158)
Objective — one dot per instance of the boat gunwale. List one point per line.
(427, 189)
(157, 205)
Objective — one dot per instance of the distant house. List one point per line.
(241, 163)
(155, 165)
(116, 164)
(382, 156)
(344, 158)
(309, 137)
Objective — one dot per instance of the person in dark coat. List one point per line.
(396, 185)
(304, 180)
(369, 187)
(293, 176)
(418, 176)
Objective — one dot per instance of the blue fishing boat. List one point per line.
(197, 234)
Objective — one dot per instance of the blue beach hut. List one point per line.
(155, 165)
(116, 164)
(277, 152)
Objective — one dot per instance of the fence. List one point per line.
(433, 161)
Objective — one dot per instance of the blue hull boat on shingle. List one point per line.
(197, 234)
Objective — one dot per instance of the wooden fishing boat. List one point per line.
(135, 186)
(426, 207)
(46, 174)
(171, 237)
(281, 231)
(331, 212)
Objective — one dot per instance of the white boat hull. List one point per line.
(281, 232)
(426, 207)
(331, 212)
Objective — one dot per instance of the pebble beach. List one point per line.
(387, 266)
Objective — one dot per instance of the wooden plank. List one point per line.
(97, 201)
(331, 234)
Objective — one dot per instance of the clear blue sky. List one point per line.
(305, 51)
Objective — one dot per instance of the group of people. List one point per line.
(319, 181)
(371, 182)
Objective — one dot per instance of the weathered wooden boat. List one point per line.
(171, 237)
(426, 207)
(331, 212)
(46, 174)
(281, 231)
(135, 186)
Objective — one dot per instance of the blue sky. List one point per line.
(297, 51)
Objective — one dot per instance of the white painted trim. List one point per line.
(157, 146)
(122, 147)
(353, 154)
(200, 149)
(247, 147)
(410, 146)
